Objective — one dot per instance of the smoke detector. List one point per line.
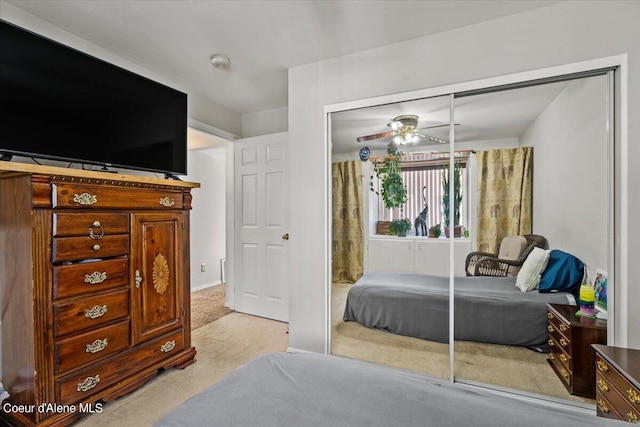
(221, 62)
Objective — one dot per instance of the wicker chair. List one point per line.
(507, 262)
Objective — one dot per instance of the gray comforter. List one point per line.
(487, 309)
(281, 389)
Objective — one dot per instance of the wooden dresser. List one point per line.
(570, 339)
(94, 275)
(618, 383)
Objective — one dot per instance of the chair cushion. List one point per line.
(511, 248)
(531, 271)
(563, 273)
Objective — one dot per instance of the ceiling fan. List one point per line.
(404, 132)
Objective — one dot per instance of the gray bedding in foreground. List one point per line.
(487, 309)
(283, 389)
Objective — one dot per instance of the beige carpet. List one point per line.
(222, 346)
(207, 305)
(503, 366)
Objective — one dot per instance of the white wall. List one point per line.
(207, 217)
(265, 122)
(563, 33)
(570, 171)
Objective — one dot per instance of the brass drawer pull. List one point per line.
(97, 346)
(550, 328)
(88, 383)
(167, 202)
(564, 358)
(602, 405)
(95, 312)
(168, 346)
(563, 327)
(138, 279)
(94, 236)
(95, 247)
(95, 278)
(633, 395)
(564, 373)
(552, 356)
(602, 366)
(551, 343)
(563, 342)
(602, 385)
(633, 418)
(85, 199)
(550, 316)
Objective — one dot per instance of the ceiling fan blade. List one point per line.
(430, 138)
(375, 136)
(438, 126)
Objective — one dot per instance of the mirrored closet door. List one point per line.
(519, 170)
(387, 194)
(541, 166)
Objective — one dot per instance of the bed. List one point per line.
(306, 389)
(487, 309)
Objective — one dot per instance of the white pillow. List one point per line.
(529, 275)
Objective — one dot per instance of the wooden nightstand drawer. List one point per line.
(570, 339)
(89, 312)
(90, 347)
(628, 392)
(78, 248)
(556, 325)
(73, 195)
(81, 278)
(618, 388)
(90, 224)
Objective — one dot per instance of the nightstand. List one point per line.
(618, 383)
(572, 357)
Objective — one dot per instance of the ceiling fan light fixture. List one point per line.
(398, 140)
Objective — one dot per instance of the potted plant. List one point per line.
(435, 231)
(457, 199)
(399, 227)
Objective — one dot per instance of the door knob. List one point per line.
(285, 236)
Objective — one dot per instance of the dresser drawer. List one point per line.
(605, 408)
(557, 325)
(562, 357)
(90, 347)
(80, 278)
(78, 248)
(90, 224)
(561, 370)
(616, 401)
(89, 312)
(629, 392)
(80, 385)
(75, 195)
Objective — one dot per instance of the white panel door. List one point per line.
(261, 226)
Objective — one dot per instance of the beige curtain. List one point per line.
(504, 195)
(348, 236)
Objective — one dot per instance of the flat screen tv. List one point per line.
(59, 103)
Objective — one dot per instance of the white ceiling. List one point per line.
(175, 39)
(486, 117)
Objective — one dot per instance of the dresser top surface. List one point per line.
(568, 314)
(625, 360)
(13, 168)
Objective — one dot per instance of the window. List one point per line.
(422, 175)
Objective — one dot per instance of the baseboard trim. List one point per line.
(205, 286)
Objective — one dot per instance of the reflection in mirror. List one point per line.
(540, 203)
(387, 181)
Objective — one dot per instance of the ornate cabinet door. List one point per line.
(157, 275)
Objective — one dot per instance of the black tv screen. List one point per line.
(59, 103)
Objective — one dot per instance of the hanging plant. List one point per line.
(392, 188)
